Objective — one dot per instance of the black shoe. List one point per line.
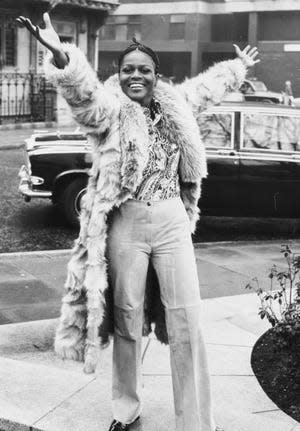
(118, 426)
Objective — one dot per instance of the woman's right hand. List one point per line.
(47, 37)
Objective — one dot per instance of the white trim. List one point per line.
(291, 47)
(202, 7)
(39, 151)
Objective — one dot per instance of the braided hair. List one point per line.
(135, 45)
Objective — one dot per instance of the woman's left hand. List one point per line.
(248, 55)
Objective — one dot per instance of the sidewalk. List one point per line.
(38, 391)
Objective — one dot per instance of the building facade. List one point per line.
(25, 96)
(192, 35)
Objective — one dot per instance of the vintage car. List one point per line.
(253, 152)
(254, 90)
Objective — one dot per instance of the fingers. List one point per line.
(237, 49)
(47, 20)
(246, 50)
(25, 22)
(20, 21)
(253, 51)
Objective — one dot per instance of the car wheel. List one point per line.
(70, 200)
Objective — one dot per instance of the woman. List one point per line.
(148, 162)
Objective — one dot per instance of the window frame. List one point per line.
(265, 150)
(123, 20)
(231, 114)
(65, 35)
(177, 19)
(8, 17)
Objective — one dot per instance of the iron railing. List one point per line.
(26, 97)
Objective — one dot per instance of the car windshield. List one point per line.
(271, 132)
(259, 86)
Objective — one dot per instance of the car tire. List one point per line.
(70, 199)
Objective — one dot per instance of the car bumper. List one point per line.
(27, 183)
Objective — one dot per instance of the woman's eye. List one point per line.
(126, 70)
(146, 70)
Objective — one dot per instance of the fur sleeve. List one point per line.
(211, 86)
(91, 104)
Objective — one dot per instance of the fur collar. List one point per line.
(179, 123)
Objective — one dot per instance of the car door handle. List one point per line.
(227, 152)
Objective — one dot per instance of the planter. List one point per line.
(275, 361)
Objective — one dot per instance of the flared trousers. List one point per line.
(160, 231)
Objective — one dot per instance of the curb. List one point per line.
(64, 252)
(19, 126)
(49, 253)
(12, 147)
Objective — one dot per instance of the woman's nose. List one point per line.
(136, 74)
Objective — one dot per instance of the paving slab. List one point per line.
(28, 393)
(224, 282)
(229, 360)
(236, 399)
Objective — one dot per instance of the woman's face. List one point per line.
(137, 77)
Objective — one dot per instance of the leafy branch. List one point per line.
(281, 302)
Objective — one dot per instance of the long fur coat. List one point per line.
(117, 131)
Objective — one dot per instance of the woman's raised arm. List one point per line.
(211, 86)
(47, 37)
(67, 67)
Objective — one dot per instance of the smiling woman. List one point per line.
(139, 210)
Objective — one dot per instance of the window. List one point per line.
(229, 27)
(134, 27)
(177, 27)
(121, 28)
(65, 30)
(8, 39)
(216, 129)
(282, 25)
(271, 132)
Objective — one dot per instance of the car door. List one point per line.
(220, 188)
(270, 162)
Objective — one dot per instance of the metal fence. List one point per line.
(26, 97)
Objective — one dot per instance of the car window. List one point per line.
(271, 132)
(216, 129)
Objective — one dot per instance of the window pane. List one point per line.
(120, 19)
(177, 30)
(67, 39)
(121, 32)
(229, 27)
(108, 32)
(271, 132)
(215, 130)
(177, 18)
(279, 25)
(10, 45)
(134, 30)
(134, 19)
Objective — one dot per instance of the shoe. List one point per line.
(118, 426)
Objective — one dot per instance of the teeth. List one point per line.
(136, 86)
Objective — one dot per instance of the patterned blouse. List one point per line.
(160, 176)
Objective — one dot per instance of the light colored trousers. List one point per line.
(158, 230)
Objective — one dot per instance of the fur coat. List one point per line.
(117, 132)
